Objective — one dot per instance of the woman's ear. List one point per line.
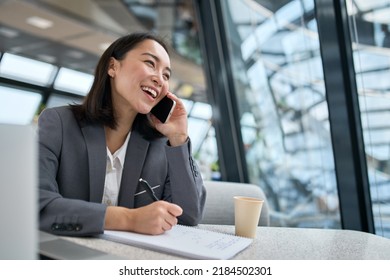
(112, 67)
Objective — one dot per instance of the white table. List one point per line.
(272, 243)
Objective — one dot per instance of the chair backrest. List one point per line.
(219, 207)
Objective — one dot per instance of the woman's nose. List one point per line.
(157, 80)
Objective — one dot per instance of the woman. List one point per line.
(93, 155)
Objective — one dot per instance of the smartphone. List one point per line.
(164, 109)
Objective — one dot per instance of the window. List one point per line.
(27, 70)
(18, 106)
(369, 28)
(280, 92)
(73, 81)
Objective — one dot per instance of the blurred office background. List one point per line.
(290, 95)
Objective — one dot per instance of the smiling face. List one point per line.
(140, 79)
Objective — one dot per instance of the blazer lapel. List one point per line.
(134, 160)
(97, 157)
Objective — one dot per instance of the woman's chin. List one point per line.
(144, 109)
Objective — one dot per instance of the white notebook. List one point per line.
(185, 241)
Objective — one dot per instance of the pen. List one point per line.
(148, 189)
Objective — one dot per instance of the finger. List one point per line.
(175, 209)
(155, 121)
(175, 98)
(152, 120)
(166, 226)
(172, 96)
(171, 221)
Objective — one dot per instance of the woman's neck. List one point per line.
(116, 137)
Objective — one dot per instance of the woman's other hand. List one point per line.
(155, 218)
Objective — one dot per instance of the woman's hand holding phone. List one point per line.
(175, 127)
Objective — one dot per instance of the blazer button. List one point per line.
(54, 227)
(69, 227)
(78, 227)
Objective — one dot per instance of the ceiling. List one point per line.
(74, 33)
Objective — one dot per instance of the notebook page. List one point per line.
(185, 241)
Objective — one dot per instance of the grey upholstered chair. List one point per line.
(219, 207)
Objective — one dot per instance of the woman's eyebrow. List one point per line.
(158, 60)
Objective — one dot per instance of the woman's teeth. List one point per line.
(150, 91)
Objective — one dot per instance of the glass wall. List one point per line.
(369, 24)
(280, 92)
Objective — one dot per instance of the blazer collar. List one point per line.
(97, 156)
(134, 161)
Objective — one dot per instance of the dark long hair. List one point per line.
(97, 106)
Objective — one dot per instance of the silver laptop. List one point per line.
(18, 192)
(20, 238)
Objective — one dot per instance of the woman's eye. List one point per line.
(167, 77)
(150, 62)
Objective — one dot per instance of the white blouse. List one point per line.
(114, 169)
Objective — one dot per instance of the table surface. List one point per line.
(272, 243)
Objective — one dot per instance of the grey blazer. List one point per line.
(72, 168)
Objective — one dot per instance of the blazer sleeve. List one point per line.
(185, 183)
(59, 215)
